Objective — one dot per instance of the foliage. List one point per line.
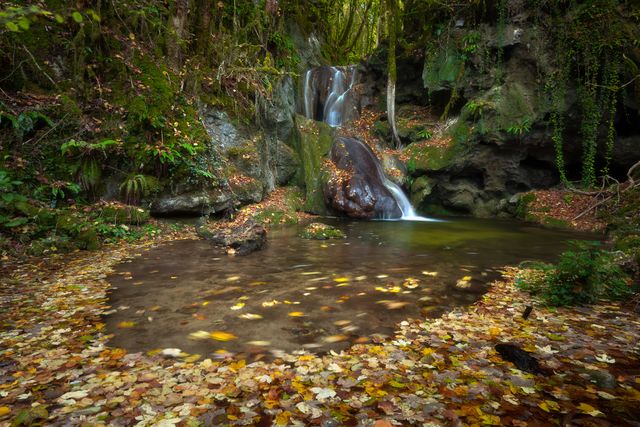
(137, 186)
(521, 128)
(522, 208)
(582, 275)
(593, 38)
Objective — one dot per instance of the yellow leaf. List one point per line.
(126, 324)
(336, 338)
(222, 336)
(589, 410)
(199, 335)
(296, 314)
(494, 330)
(341, 279)
(238, 306)
(282, 418)
(192, 358)
(4, 410)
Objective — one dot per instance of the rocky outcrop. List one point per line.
(356, 183)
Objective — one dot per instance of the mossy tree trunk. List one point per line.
(178, 30)
(392, 23)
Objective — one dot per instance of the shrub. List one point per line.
(583, 274)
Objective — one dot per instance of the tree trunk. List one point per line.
(177, 31)
(392, 15)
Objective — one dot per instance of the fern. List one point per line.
(137, 186)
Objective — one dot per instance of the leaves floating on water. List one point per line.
(222, 336)
(260, 343)
(411, 283)
(296, 314)
(199, 335)
(335, 338)
(430, 273)
(126, 324)
(250, 316)
(238, 306)
(341, 279)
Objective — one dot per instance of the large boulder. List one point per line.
(356, 185)
(194, 202)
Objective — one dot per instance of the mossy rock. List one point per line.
(441, 70)
(320, 231)
(421, 188)
(88, 239)
(423, 158)
(49, 244)
(125, 215)
(312, 144)
(246, 190)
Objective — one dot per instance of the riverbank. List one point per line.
(58, 368)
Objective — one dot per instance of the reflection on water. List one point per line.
(317, 295)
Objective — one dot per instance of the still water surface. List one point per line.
(314, 295)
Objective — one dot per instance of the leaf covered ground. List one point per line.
(56, 367)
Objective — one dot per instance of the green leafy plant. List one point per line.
(137, 186)
(424, 133)
(9, 195)
(583, 275)
(88, 169)
(56, 191)
(519, 129)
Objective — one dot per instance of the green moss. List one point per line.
(441, 69)
(124, 215)
(420, 189)
(554, 222)
(522, 207)
(320, 231)
(312, 144)
(422, 158)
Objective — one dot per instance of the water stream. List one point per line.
(313, 295)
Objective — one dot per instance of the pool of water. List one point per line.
(314, 295)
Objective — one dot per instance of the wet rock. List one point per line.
(355, 186)
(242, 240)
(602, 379)
(320, 231)
(520, 358)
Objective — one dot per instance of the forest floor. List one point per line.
(56, 366)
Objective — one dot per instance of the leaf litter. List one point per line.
(56, 366)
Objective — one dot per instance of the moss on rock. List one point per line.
(117, 214)
(312, 144)
(320, 231)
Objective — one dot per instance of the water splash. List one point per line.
(408, 213)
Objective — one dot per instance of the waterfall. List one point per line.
(408, 214)
(327, 93)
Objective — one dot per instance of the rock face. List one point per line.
(355, 187)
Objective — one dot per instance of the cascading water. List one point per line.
(327, 93)
(408, 214)
(329, 97)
